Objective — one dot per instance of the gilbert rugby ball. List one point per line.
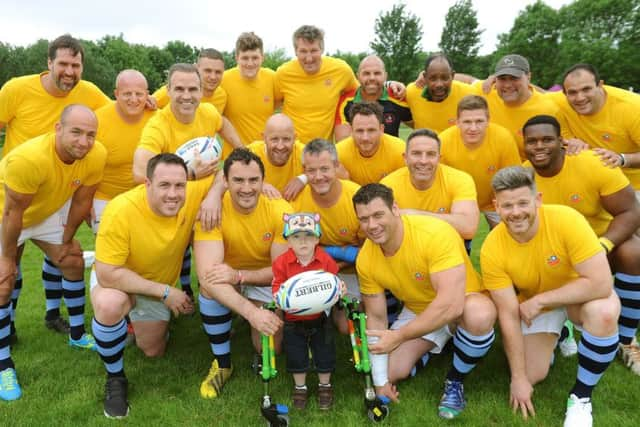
(209, 147)
(309, 292)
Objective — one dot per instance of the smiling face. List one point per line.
(185, 93)
(321, 170)
(279, 137)
(65, 69)
(584, 94)
(309, 54)
(513, 90)
(422, 157)
(249, 63)
(439, 77)
(211, 71)
(244, 183)
(166, 190)
(131, 94)
(367, 132)
(543, 148)
(371, 75)
(518, 210)
(76, 134)
(378, 222)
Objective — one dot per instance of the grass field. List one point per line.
(64, 387)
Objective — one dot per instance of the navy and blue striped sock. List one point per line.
(216, 319)
(185, 272)
(74, 293)
(468, 350)
(15, 295)
(594, 356)
(110, 340)
(628, 289)
(5, 328)
(52, 282)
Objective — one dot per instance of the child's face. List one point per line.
(303, 244)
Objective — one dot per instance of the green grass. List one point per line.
(64, 387)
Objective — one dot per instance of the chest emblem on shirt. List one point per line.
(606, 137)
(266, 99)
(575, 198)
(442, 210)
(267, 236)
(343, 231)
(451, 121)
(389, 118)
(419, 276)
(327, 82)
(75, 183)
(491, 169)
(553, 260)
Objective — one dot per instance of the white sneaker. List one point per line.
(578, 412)
(568, 347)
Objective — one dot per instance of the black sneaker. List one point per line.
(58, 324)
(115, 397)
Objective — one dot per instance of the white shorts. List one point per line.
(50, 230)
(258, 293)
(550, 322)
(146, 308)
(439, 337)
(98, 208)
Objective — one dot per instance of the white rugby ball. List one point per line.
(309, 292)
(209, 147)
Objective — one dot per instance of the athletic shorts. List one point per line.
(550, 322)
(258, 293)
(50, 230)
(439, 337)
(98, 208)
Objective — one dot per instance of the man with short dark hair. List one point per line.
(46, 188)
(422, 261)
(542, 264)
(607, 200)
(369, 154)
(141, 240)
(372, 76)
(238, 253)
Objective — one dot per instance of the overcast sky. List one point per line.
(209, 23)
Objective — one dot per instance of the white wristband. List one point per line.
(303, 178)
(379, 366)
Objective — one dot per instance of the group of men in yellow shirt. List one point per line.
(449, 177)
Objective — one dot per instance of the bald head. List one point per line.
(371, 75)
(279, 137)
(75, 132)
(74, 112)
(131, 95)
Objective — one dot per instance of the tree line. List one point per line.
(605, 33)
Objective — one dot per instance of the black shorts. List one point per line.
(317, 335)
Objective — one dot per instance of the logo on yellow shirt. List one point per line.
(491, 169)
(327, 82)
(606, 137)
(553, 260)
(575, 198)
(343, 231)
(75, 183)
(419, 276)
(442, 210)
(266, 99)
(451, 121)
(267, 236)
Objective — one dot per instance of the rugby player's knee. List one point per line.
(538, 372)
(601, 315)
(479, 314)
(110, 305)
(154, 351)
(72, 265)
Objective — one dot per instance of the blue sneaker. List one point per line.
(452, 402)
(86, 341)
(9, 387)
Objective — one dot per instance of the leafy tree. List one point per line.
(182, 52)
(398, 35)
(353, 59)
(273, 59)
(536, 36)
(460, 39)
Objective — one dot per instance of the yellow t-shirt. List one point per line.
(121, 140)
(133, 236)
(513, 118)
(429, 245)
(449, 186)
(436, 116)
(250, 102)
(310, 100)
(615, 127)
(247, 238)
(279, 176)
(218, 99)
(35, 168)
(544, 263)
(29, 111)
(339, 223)
(497, 150)
(367, 170)
(580, 184)
(164, 134)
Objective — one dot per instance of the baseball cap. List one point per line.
(512, 65)
(301, 221)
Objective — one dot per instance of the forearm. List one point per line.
(465, 225)
(576, 291)
(227, 295)
(513, 342)
(11, 229)
(622, 227)
(128, 281)
(631, 160)
(77, 213)
(261, 277)
(229, 133)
